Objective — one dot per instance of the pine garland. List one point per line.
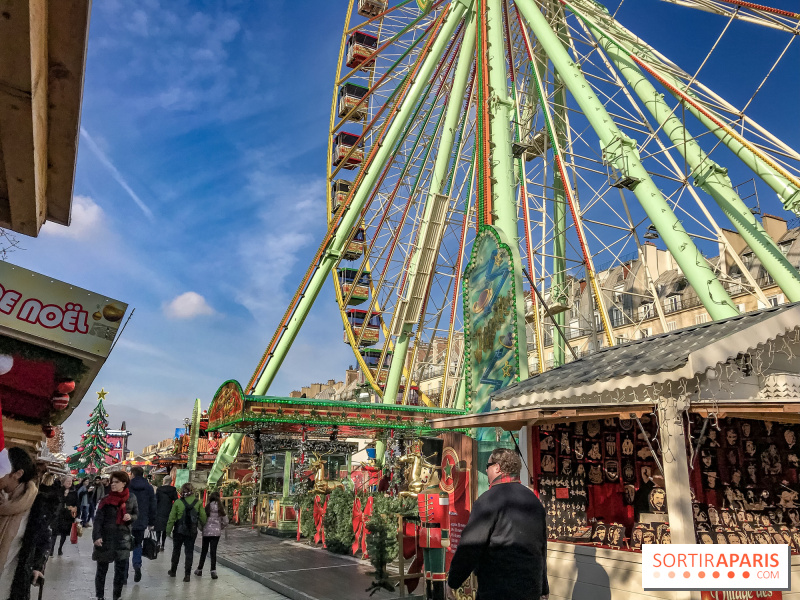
(339, 534)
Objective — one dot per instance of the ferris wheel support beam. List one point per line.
(353, 210)
(708, 175)
(407, 314)
(502, 112)
(786, 185)
(620, 151)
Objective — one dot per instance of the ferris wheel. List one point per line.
(552, 122)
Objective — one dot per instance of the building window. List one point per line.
(618, 293)
(775, 300)
(785, 248)
(740, 308)
(747, 259)
(673, 303)
(701, 318)
(644, 332)
(576, 308)
(616, 316)
(672, 325)
(621, 339)
(646, 310)
(598, 324)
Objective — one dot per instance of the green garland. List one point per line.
(67, 367)
(339, 534)
(382, 545)
(305, 512)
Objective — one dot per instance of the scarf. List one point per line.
(503, 478)
(12, 512)
(118, 499)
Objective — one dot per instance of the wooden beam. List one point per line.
(68, 34)
(23, 113)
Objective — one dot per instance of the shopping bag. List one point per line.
(150, 546)
(73, 534)
(80, 530)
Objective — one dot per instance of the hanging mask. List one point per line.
(578, 445)
(564, 442)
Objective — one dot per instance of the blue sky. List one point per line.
(199, 192)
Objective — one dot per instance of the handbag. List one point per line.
(73, 534)
(150, 547)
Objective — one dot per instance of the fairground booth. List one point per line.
(54, 338)
(686, 437)
(307, 447)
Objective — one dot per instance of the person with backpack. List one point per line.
(217, 521)
(146, 499)
(183, 522)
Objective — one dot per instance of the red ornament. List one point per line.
(66, 387)
(60, 402)
(49, 431)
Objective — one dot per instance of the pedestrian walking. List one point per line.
(67, 512)
(166, 495)
(112, 534)
(98, 492)
(84, 500)
(184, 518)
(19, 491)
(505, 540)
(35, 547)
(146, 499)
(216, 521)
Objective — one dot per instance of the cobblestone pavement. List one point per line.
(71, 577)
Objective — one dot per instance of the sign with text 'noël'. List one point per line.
(52, 310)
(725, 567)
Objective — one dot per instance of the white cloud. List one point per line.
(87, 222)
(188, 305)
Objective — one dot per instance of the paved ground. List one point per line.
(71, 577)
(296, 569)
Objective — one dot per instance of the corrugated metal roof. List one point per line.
(664, 352)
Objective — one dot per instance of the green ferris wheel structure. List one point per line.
(554, 126)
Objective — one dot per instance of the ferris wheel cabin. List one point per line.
(357, 290)
(339, 191)
(343, 143)
(360, 47)
(350, 94)
(372, 359)
(372, 8)
(372, 329)
(355, 248)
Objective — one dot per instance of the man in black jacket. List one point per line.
(505, 540)
(146, 498)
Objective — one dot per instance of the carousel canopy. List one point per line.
(233, 411)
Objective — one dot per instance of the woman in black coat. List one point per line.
(67, 511)
(111, 533)
(166, 495)
(35, 547)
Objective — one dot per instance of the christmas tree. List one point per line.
(93, 450)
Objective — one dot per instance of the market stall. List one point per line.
(310, 444)
(685, 437)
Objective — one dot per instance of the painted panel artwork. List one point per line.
(490, 322)
(227, 405)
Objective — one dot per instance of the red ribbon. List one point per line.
(358, 524)
(236, 502)
(319, 515)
